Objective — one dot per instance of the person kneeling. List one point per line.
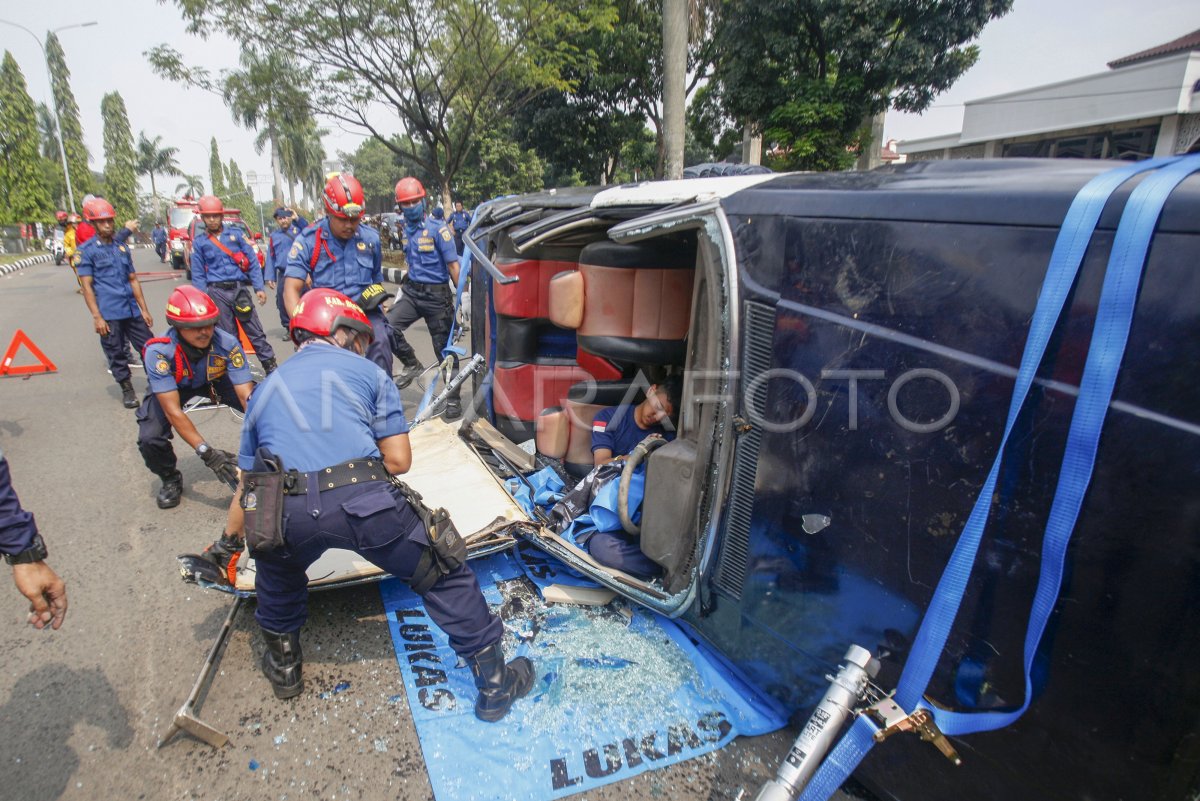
(330, 427)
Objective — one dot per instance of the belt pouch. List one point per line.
(262, 502)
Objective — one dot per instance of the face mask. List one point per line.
(414, 214)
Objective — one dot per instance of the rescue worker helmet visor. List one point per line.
(343, 196)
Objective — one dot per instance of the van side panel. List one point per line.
(894, 348)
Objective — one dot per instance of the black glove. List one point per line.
(222, 463)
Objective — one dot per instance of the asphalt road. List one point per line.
(82, 709)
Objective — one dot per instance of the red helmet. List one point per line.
(188, 307)
(210, 204)
(408, 190)
(343, 196)
(323, 311)
(61, 216)
(98, 209)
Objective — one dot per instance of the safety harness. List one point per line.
(217, 241)
(1114, 317)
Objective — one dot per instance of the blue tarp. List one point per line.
(614, 696)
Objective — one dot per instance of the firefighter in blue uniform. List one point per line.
(616, 431)
(282, 237)
(460, 221)
(24, 549)
(225, 267)
(159, 237)
(336, 493)
(114, 296)
(425, 293)
(195, 358)
(343, 254)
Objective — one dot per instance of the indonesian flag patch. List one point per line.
(599, 425)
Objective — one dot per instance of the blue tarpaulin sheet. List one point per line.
(618, 691)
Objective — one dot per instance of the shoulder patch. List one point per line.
(362, 245)
(236, 357)
(121, 248)
(446, 235)
(161, 366)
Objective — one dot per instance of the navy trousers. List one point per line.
(620, 550)
(380, 349)
(434, 303)
(374, 521)
(253, 327)
(285, 319)
(121, 334)
(155, 432)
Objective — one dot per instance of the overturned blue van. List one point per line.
(849, 345)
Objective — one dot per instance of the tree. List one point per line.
(216, 170)
(807, 73)
(51, 166)
(441, 68)
(152, 159)
(120, 158)
(68, 115)
(192, 186)
(498, 166)
(23, 193)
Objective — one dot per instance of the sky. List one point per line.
(1038, 42)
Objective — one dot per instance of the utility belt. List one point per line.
(262, 502)
(358, 471)
(228, 284)
(418, 288)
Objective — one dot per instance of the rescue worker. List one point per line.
(424, 293)
(225, 266)
(159, 237)
(114, 296)
(24, 549)
(195, 358)
(282, 237)
(616, 431)
(337, 494)
(460, 221)
(339, 252)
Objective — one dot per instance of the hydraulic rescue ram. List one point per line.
(846, 691)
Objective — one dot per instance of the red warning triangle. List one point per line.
(247, 348)
(20, 338)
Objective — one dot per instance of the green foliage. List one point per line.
(216, 170)
(120, 159)
(68, 115)
(443, 68)
(498, 166)
(155, 159)
(24, 196)
(190, 185)
(809, 72)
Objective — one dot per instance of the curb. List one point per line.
(23, 263)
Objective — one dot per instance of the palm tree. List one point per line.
(262, 96)
(193, 185)
(153, 158)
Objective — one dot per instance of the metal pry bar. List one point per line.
(186, 719)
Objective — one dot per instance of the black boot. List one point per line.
(171, 492)
(499, 684)
(282, 663)
(410, 372)
(128, 396)
(269, 365)
(453, 409)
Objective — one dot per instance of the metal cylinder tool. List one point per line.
(846, 691)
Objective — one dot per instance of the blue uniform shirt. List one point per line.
(428, 249)
(348, 267)
(109, 267)
(17, 526)
(211, 264)
(614, 428)
(168, 368)
(460, 221)
(159, 235)
(322, 407)
(281, 243)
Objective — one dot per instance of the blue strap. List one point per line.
(1074, 236)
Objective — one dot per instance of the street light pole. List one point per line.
(62, 151)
